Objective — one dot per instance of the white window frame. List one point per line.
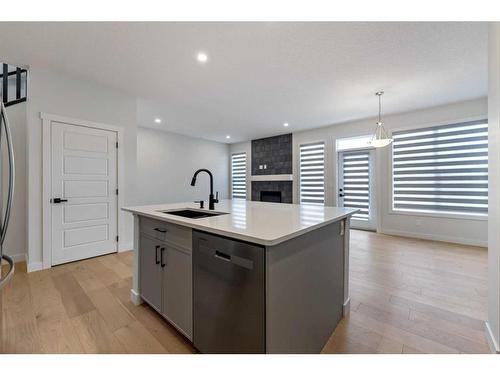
(367, 147)
(390, 175)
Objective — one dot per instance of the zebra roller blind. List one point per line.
(356, 183)
(239, 175)
(442, 169)
(312, 173)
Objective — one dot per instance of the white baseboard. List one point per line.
(135, 297)
(433, 237)
(346, 308)
(125, 247)
(492, 342)
(34, 266)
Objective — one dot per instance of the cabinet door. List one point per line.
(177, 289)
(150, 271)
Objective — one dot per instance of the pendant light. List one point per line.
(380, 138)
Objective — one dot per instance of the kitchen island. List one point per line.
(247, 277)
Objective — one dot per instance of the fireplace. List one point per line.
(270, 196)
(272, 179)
(272, 191)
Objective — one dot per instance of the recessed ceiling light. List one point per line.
(286, 124)
(228, 136)
(202, 57)
(158, 120)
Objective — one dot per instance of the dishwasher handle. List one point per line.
(234, 260)
(222, 256)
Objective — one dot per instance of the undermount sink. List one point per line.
(193, 214)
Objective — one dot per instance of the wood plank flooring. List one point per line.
(407, 296)
(413, 296)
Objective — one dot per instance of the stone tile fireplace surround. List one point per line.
(272, 156)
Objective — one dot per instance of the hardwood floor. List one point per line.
(407, 296)
(82, 307)
(413, 296)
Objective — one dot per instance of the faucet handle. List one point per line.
(216, 200)
(200, 202)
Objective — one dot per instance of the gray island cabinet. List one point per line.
(253, 278)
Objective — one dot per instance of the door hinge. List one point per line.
(117, 238)
(116, 191)
(116, 144)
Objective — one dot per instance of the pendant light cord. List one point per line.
(379, 107)
(379, 94)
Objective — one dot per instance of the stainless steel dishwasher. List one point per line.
(228, 294)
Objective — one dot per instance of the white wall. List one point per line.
(166, 163)
(15, 240)
(65, 95)
(494, 192)
(467, 231)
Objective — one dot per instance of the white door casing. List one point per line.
(83, 171)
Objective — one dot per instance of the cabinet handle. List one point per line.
(161, 230)
(157, 247)
(161, 257)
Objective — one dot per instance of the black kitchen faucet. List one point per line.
(211, 199)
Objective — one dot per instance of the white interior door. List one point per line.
(84, 178)
(356, 188)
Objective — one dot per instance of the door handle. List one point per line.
(157, 247)
(161, 230)
(162, 250)
(58, 200)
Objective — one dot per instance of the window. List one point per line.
(442, 169)
(352, 143)
(354, 182)
(239, 175)
(312, 173)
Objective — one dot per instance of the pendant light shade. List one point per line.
(380, 138)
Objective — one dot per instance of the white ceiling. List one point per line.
(260, 75)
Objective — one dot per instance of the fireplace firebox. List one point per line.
(270, 196)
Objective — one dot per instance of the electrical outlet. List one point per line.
(265, 166)
(260, 166)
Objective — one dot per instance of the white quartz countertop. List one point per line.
(263, 223)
